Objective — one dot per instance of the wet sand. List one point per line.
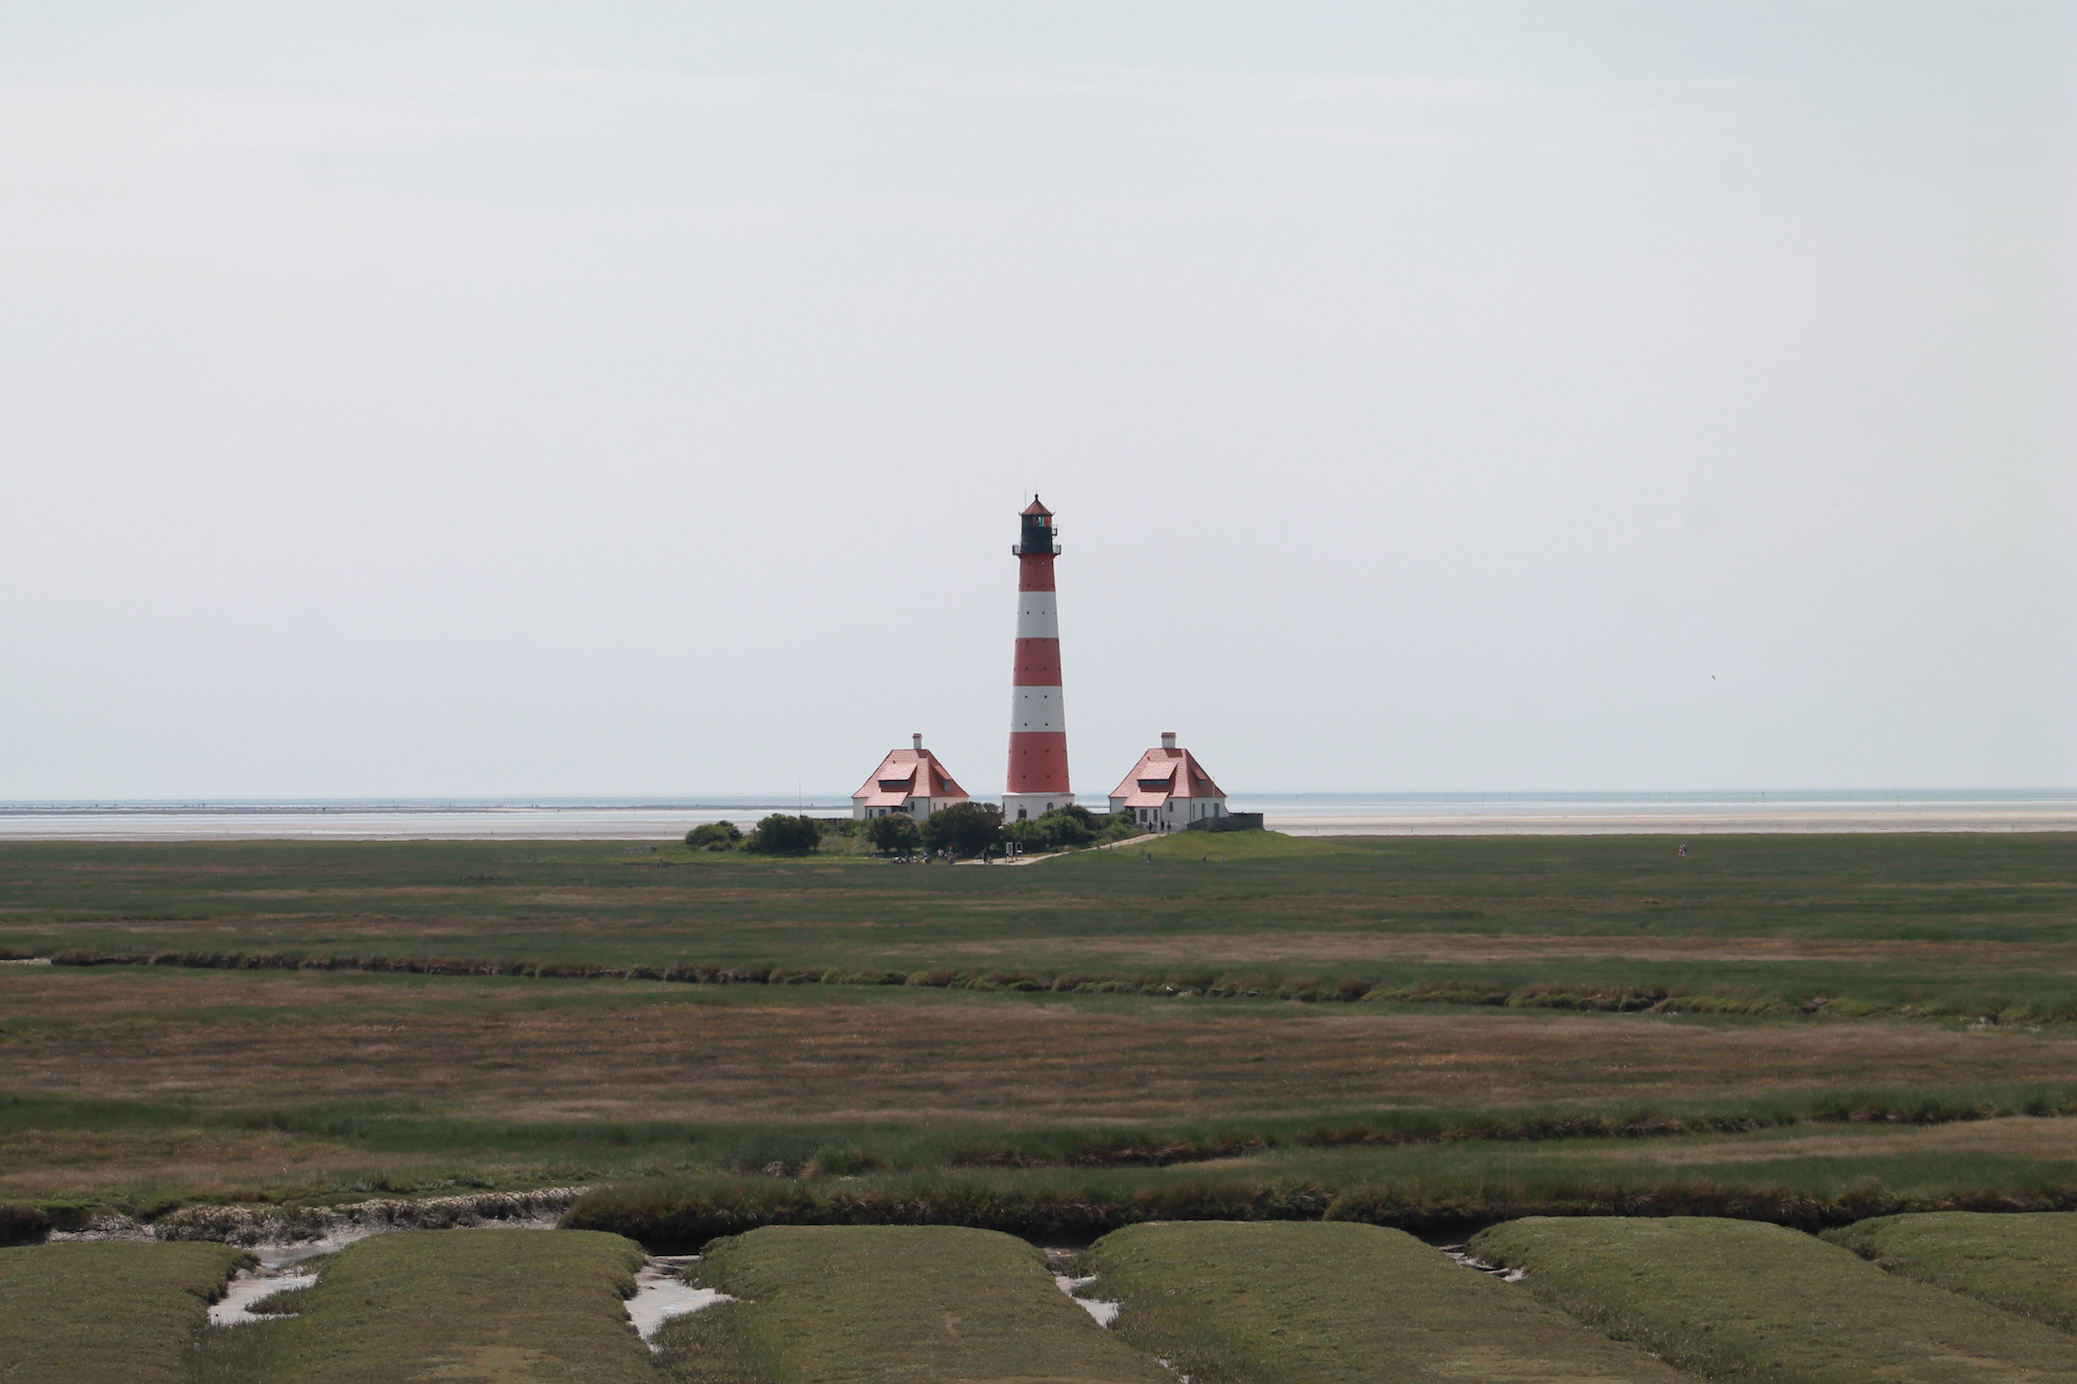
(1788, 821)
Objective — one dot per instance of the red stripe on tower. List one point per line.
(1038, 721)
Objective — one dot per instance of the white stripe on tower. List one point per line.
(1037, 708)
(1038, 615)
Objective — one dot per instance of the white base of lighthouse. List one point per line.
(1016, 807)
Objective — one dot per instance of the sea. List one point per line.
(1310, 814)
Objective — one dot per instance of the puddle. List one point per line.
(1457, 1253)
(1104, 1312)
(277, 1274)
(249, 1286)
(660, 1294)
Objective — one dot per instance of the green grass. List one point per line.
(97, 1312)
(2025, 1263)
(678, 1183)
(1337, 1304)
(897, 1304)
(398, 1136)
(1767, 1174)
(325, 1085)
(1739, 1301)
(1228, 846)
(1274, 912)
(477, 1305)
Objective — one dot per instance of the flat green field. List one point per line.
(1978, 924)
(1737, 1300)
(860, 1304)
(1338, 1304)
(2024, 1263)
(468, 1305)
(1406, 1031)
(93, 1313)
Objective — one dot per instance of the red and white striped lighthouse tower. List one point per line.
(1038, 720)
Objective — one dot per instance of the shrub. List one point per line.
(22, 1225)
(714, 836)
(964, 828)
(897, 831)
(1028, 836)
(1061, 829)
(780, 834)
(1066, 828)
(1118, 826)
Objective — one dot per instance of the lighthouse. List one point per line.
(1038, 721)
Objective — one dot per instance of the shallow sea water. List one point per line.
(1304, 814)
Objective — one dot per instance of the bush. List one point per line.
(22, 1225)
(714, 836)
(1066, 828)
(780, 834)
(1070, 826)
(964, 828)
(897, 831)
(1061, 829)
(1119, 826)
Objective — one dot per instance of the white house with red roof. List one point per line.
(1168, 789)
(911, 781)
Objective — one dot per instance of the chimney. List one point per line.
(918, 738)
(1168, 740)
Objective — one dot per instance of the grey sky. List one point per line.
(589, 398)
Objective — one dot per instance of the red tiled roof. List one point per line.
(1164, 774)
(906, 774)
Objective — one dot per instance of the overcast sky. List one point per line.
(502, 398)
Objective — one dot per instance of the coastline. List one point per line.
(1299, 814)
(1775, 822)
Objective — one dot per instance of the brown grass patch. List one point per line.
(1354, 948)
(524, 1050)
(2017, 1136)
(42, 1163)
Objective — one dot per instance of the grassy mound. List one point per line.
(1038, 1204)
(475, 1305)
(907, 1304)
(1737, 1300)
(2025, 1263)
(1338, 1304)
(92, 1313)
